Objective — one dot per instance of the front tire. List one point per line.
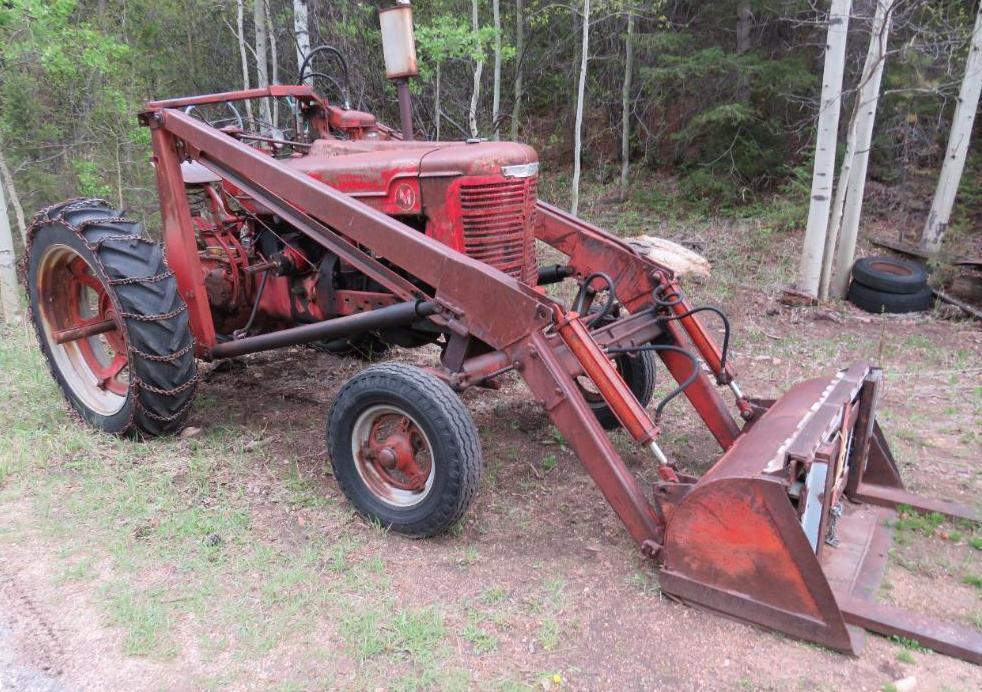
(87, 267)
(404, 449)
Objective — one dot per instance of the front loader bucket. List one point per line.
(790, 529)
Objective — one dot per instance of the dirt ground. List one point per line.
(229, 559)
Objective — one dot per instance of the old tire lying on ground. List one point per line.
(404, 449)
(874, 301)
(88, 266)
(889, 275)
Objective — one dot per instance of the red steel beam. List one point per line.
(944, 637)
(273, 91)
(179, 237)
(559, 394)
(702, 393)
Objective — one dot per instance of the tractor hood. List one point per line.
(386, 174)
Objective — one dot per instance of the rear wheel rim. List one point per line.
(95, 368)
(393, 456)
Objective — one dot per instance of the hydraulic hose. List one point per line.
(665, 347)
(726, 328)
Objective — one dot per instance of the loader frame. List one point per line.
(550, 347)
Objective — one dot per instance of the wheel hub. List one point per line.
(393, 455)
(83, 330)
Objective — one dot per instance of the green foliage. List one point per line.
(733, 124)
(732, 142)
(90, 183)
(447, 37)
(67, 100)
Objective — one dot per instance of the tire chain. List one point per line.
(55, 214)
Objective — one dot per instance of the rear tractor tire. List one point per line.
(109, 319)
(404, 449)
(637, 370)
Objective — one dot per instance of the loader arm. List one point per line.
(755, 537)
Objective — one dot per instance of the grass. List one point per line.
(481, 637)
(908, 644)
(177, 551)
(911, 520)
(645, 582)
(904, 656)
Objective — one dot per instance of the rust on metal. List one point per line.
(84, 330)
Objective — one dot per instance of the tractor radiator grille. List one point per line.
(498, 223)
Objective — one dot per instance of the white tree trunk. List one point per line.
(436, 101)
(496, 89)
(262, 71)
(846, 212)
(961, 132)
(9, 290)
(626, 104)
(810, 270)
(519, 59)
(478, 70)
(580, 98)
(7, 179)
(240, 26)
(301, 33)
(274, 59)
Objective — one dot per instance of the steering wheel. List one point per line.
(343, 88)
(236, 116)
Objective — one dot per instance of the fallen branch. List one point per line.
(974, 312)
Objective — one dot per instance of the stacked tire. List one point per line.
(885, 284)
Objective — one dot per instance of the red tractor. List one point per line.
(350, 235)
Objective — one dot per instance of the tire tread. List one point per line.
(452, 423)
(170, 375)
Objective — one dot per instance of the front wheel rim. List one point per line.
(82, 330)
(393, 456)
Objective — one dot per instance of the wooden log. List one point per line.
(678, 258)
